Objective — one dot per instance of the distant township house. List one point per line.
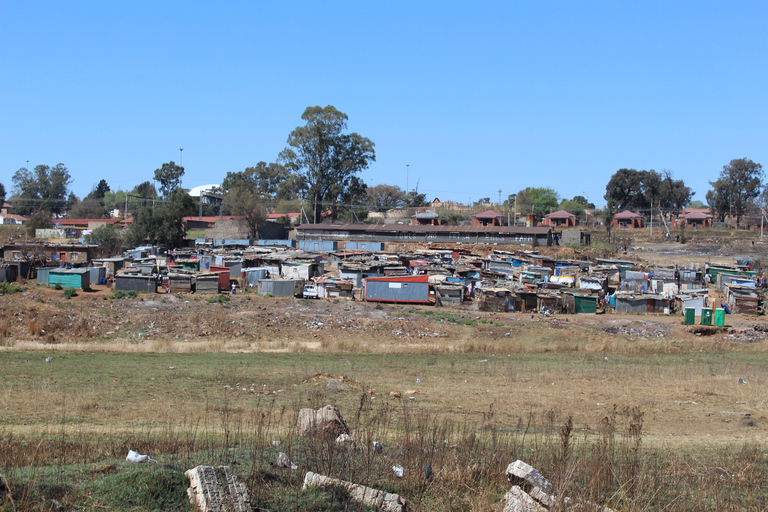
(9, 219)
(627, 219)
(487, 218)
(426, 219)
(693, 219)
(560, 218)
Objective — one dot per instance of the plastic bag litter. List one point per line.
(136, 457)
(377, 447)
(284, 462)
(398, 470)
(344, 438)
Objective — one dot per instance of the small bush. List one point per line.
(125, 294)
(58, 286)
(7, 288)
(218, 299)
(69, 293)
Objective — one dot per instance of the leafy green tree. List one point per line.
(164, 224)
(91, 207)
(673, 194)
(537, 200)
(583, 201)
(2, 193)
(326, 156)
(385, 197)
(169, 176)
(109, 238)
(414, 199)
(269, 181)
(739, 183)
(696, 204)
(574, 207)
(44, 188)
(450, 217)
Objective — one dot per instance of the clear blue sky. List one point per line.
(473, 96)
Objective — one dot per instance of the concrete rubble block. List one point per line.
(367, 496)
(337, 385)
(216, 489)
(519, 501)
(326, 422)
(532, 482)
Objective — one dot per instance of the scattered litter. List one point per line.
(418, 380)
(284, 462)
(275, 443)
(428, 472)
(377, 447)
(398, 470)
(136, 457)
(344, 438)
(740, 381)
(483, 360)
(48, 359)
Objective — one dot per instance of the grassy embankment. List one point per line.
(599, 429)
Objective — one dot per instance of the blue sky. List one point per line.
(472, 98)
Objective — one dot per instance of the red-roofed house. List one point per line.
(11, 219)
(627, 219)
(274, 217)
(694, 219)
(560, 218)
(487, 218)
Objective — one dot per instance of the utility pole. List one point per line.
(499, 197)
(181, 157)
(406, 177)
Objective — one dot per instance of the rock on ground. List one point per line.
(326, 422)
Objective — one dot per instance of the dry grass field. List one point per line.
(635, 412)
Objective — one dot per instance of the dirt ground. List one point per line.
(687, 381)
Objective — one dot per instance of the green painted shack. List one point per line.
(79, 278)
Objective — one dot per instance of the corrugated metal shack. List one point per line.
(631, 302)
(742, 299)
(690, 279)
(333, 288)
(408, 289)
(254, 275)
(207, 282)
(494, 299)
(281, 287)
(223, 275)
(634, 281)
(724, 279)
(70, 278)
(283, 243)
(365, 246)
(524, 300)
(135, 281)
(318, 245)
(98, 275)
(112, 265)
(576, 303)
(180, 281)
(683, 302)
(42, 275)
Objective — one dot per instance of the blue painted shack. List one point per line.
(79, 278)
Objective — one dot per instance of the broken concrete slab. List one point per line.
(532, 482)
(368, 496)
(519, 501)
(326, 422)
(216, 489)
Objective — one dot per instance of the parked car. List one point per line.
(310, 291)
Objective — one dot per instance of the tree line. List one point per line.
(319, 172)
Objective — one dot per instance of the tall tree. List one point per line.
(673, 194)
(101, 189)
(385, 197)
(45, 188)
(169, 177)
(325, 156)
(2, 193)
(537, 200)
(241, 201)
(164, 224)
(739, 183)
(270, 181)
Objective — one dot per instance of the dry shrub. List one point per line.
(34, 326)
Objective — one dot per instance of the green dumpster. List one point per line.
(706, 316)
(690, 316)
(720, 317)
